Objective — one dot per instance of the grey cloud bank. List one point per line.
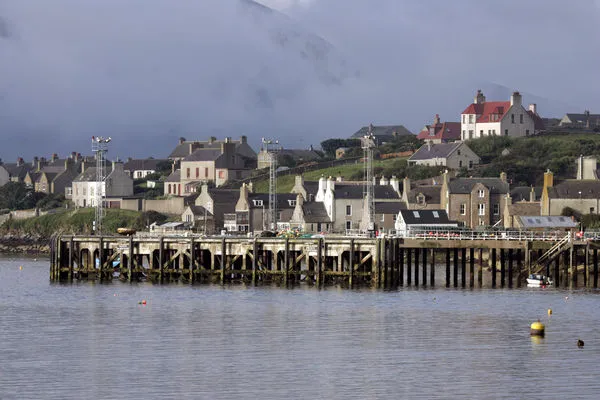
(149, 71)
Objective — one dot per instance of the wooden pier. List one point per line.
(380, 262)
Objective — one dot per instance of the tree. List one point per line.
(16, 196)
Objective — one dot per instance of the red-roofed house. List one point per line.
(496, 118)
(440, 132)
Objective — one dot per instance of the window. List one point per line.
(521, 118)
(512, 118)
(489, 132)
(292, 203)
(481, 193)
(221, 174)
(463, 209)
(416, 214)
(258, 203)
(348, 224)
(420, 198)
(506, 132)
(464, 120)
(197, 172)
(470, 118)
(481, 209)
(464, 133)
(496, 209)
(382, 217)
(481, 132)
(470, 164)
(348, 210)
(460, 164)
(206, 172)
(435, 214)
(458, 152)
(395, 217)
(481, 223)
(527, 132)
(187, 172)
(494, 132)
(591, 210)
(470, 134)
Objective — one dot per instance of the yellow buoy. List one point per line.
(537, 329)
(549, 311)
(20, 267)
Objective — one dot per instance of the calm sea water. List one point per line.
(92, 341)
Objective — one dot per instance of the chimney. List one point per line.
(405, 185)
(436, 119)
(78, 156)
(330, 184)
(533, 108)
(310, 147)
(173, 167)
(129, 159)
(479, 98)
(19, 161)
(54, 157)
(383, 181)
(339, 178)
(242, 203)
(73, 155)
(321, 192)
(227, 140)
(212, 139)
(548, 179)
(244, 139)
(35, 163)
(204, 188)
(299, 180)
(181, 140)
(515, 99)
(299, 200)
(532, 194)
(395, 183)
(503, 176)
(429, 145)
(250, 187)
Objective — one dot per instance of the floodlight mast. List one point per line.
(99, 147)
(271, 147)
(368, 143)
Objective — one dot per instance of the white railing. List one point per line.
(479, 235)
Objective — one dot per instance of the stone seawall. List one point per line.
(24, 244)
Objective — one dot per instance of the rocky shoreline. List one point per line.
(24, 244)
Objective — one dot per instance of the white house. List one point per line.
(423, 220)
(85, 186)
(497, 118)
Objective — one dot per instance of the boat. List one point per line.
(538, 280)
(126, 231)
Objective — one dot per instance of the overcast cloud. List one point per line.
(149, 71)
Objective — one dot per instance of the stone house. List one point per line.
(581, 121)
(116, 184)
(218, 203)
(440, 132)
(421, 197)
(474, 202)
(497, 118)
(186, 148)
(423, 220)
(310, 217)
(199, 219)
(452, 155)
(15, 172)
(513, 211)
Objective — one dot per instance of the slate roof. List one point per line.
(204, 155)
(20, 171)
(538, 122)
(441, 131)
(465, 185)
(182, 150)
(525, 208)
(484, 111)
(575, 118)
(174, 177)
(355, 191)
(536, 221)
(282, 200)
(300, 154)
(389, 207)
(435, 150)
(315, 212)
(89, 175)
(199, 210)
(382, 133)
(427, 217)
(142, 164)
(519, 193)
(570, 189)
(432, 194)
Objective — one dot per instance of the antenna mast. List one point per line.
(99, 147)
(271, 147)
(368, 143)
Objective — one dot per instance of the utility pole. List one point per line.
(271, 146)
(99, 147)
(368, 144)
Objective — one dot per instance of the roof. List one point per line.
(519, 193)
(199, 210)
(282, 200)
(355, 191)
(174, 177)
(182, 150)
(20, 171)
(300, 154)
(89, 175)
(435, 150)
(382, 133)
(432, 194)
(484, 111)
(538, 122)
(142, 164)
(576, 189)
(536, 221)
(204, 155)
(428, 217)
(583, 118)
(389, 207)
(224, 196)
(442, 131)
(315, 212)
(525, 208)
(465, 185)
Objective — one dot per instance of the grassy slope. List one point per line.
(348, 171)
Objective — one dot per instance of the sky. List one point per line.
(146, 72)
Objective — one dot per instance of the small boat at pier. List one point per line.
(538, 280)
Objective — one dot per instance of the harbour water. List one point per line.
(96, 341)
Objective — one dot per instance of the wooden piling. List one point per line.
(502, 268)
(432, 269)
(286, 261)
(401, 267)
(480, 269)
(193, 259)
(510, 268)
(447, 268)
(100, 259)
(319, 261)
(223, 260)
(130, 260)
(586, 261)
(424, 267)
(557, 271)
(161, 257)
(351, 264)
(408, 266)
(520, 266)
(417, 253)
(595, 268)
(493, 259)
(375, 265)
(71, 258)
(254, 261)
(573, 265)
(455, 259)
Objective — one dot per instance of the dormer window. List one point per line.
(292, 203)
(432, 131)
(258, 203)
